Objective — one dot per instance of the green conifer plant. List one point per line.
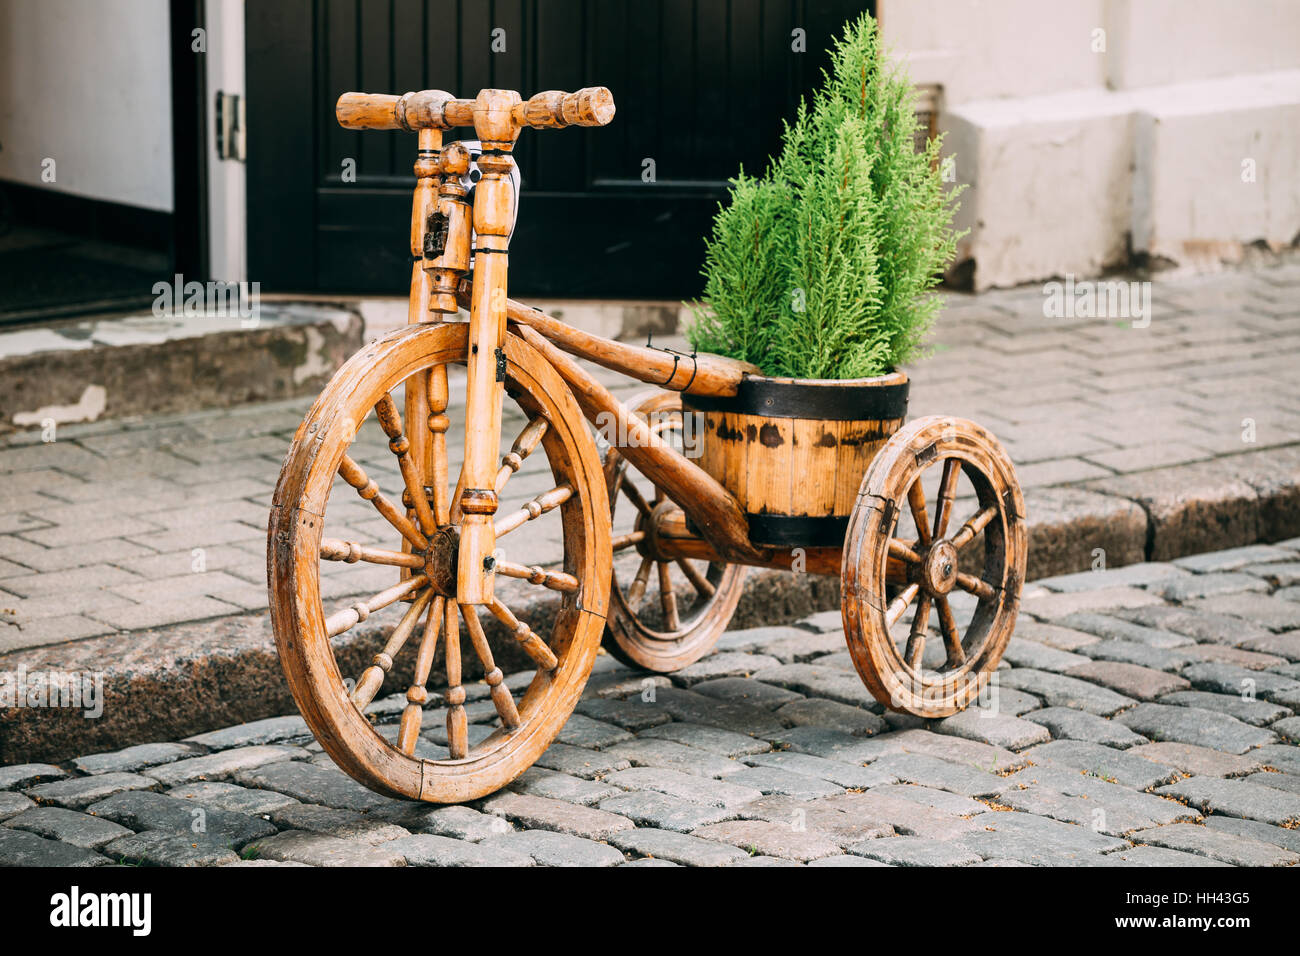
(825, 266)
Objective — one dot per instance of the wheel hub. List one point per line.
(939, 569)
(440, 560)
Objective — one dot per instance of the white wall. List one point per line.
(87, 83)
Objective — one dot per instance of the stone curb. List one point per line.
(169, 683)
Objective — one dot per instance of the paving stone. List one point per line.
(1119, 766)
(1258, 713)
(914, 851)
(1274, 613)
(580, 761)
(1140, 655)
(312, 784)
(1191, 725)
(270, 731)
(1281, 781)
(1205, 585)
(1280, 756)
(835, 771)
(998, 730)
(824, 621)
(650, 752)
(692, 708)
(19, 848)
(1253, 829)
(1124, 801)
(545, 814)
(747, 691)
(1053, 607)
(724, 743)
(1289, 729)
(556, 849)
(1083, 811)
(844, 826)
(1192, 759)
(1200, 625)
(68, 826)
(1002, 700)
(726, 664)
(1158, 856)
(1034, 839)
(1058, 690)
(1118, 629)
(818, 712)
(135, 758)
(1282, 574)
(79, 792)
(1217, 845)
(800, 646)
(974, 753)
(229, 796)
(676, 847)
(845, 859)
(344, 824)
(908, 817)
(1280, 645)
(23, 775)
(1136, 575)
(1064, 723)
(142, 810)
(539, 782)
(1052, 635)
(687, 786)
(426, 849)
(584, 731)
(1235, 798)
(833, 744)
(1230, 679)
(168, 848)
(1021, 652)
(1251, 660)
(818, 680)
(456, 821)
(777, 780)
(648, 861)
(316, 849)
(12, 804)
(652, 809)
(224, 764)
(1131, 680)
(632, 714)
(1231, 559)
(942, 800)
(941, 774)
(760, 860)
(770, 839)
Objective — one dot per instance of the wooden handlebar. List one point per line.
(436, 109)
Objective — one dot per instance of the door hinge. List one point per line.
(230, 127)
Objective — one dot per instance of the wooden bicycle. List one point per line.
(828, 484)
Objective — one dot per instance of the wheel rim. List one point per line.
(932, 565)
(664, 615)
(300, 540)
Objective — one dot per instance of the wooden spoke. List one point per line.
(501, 698)
(636, 590)
(373, 676)
(668, 597)
(947, 492)
(416, 696)
(332, 549)
(624, 541)
(390, 420)
(555, 580)
(916, 639)
(533, 645)
(353, 474)
(524, 446)
(900, 603)
(916, 499)
(902, 551)
(438, 425)
(701, 584)
(973, 585)
(951, 639)
(634, 495)
(974, 526)
(457, 722)
(340, 621)
(547, 501)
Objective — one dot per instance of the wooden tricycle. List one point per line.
(820, 477)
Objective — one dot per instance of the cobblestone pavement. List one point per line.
(1143, 716)
(101, 530)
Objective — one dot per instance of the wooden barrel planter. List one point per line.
(793, 451)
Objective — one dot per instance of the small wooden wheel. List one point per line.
(926, 568)
(421, 548)
(681, 623)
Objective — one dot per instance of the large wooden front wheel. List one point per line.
(664, 614)
(410, 548)
(918, 564)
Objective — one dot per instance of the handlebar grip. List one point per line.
(555, 109)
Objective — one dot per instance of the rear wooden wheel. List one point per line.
(417, 543)
(664, 614)
(931, 565)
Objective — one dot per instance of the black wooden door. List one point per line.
(701, 87)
